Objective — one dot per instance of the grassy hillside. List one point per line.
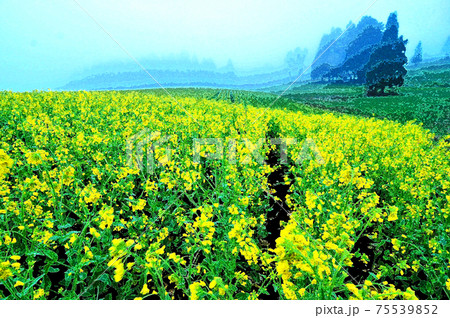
(425, 98)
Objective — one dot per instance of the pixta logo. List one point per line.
(154, 149)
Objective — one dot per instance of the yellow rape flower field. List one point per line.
(364, 215)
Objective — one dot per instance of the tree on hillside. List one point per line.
(417, 58)
(358, 53)
(369, 37)
(368, 21)
(295, 61)
(350, 53)
(333, 55)
(392, 26)
(320, 71)
(386, 66)
(322, 58)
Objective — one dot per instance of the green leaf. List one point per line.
(30, 286)
(51, 255)
(104, 278)
(53, 270)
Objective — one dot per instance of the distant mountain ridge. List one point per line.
(174, 78)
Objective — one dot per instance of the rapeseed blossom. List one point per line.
(70, 195)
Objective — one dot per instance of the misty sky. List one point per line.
(46, 43)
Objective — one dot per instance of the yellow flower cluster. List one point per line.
(5, 163)
(242, 232)
(118, 250)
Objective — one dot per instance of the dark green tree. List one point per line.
(391, 32)
(320, 71)
(332, 49)
(356, 49)
(358, 53)
(369, 37)
(386, 66)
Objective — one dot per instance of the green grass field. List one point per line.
(425, 98)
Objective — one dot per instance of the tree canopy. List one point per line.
(386, 66)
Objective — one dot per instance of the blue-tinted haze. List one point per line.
(46, 43)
